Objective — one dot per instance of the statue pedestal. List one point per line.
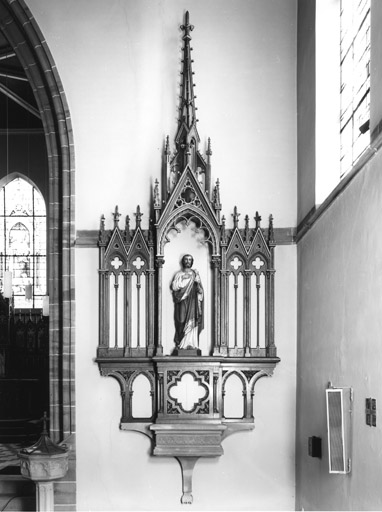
(187, 443)
(187, 352)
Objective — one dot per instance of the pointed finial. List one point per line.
(217, 195)
(156, 195)
(102, 233)
(257, 219)
(209, 150)
(223, 232)
(246, 229)
(167, 146)
(235, 216)
(271, 235)
(127, 229)
(187, 28)
(116, 216)
(151, 232)
(138, 217)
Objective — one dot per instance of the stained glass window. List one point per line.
(355, 80)
(23, 242)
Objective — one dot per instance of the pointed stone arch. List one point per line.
(191, 214)
(23, 34)
(14, 175)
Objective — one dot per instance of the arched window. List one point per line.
(23, 241)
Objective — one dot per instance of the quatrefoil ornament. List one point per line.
(138, 263)
(187, 392)
(236, 263)
(258, 263)
(116, 263)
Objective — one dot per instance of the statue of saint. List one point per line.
(188, 299)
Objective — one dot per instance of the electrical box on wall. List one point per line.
(371, 412)
(339, 405)
(314, 447)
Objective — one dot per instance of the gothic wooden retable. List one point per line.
(131, 293)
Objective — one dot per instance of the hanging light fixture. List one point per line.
(7, 284)
(45, 305)
(28, 291)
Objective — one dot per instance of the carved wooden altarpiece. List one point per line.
(131, 316)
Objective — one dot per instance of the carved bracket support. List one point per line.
(187, 465)
(187, 443)
(188, 420)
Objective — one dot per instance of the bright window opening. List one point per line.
(342, 90)
(355, 81)
(23, 242)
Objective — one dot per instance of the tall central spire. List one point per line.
(187, 140)
(187, 137)
(187, 108)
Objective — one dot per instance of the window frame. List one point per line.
(354, 81)
(19, 299)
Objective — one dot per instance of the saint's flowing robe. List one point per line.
(188, 310)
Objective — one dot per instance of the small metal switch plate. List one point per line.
(371, 412)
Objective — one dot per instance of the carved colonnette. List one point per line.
(188, 417)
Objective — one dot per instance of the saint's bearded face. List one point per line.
(187, 261)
